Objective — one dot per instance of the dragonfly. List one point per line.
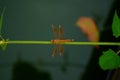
(58, 41)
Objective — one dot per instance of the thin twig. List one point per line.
(64, 43)
(118, 52)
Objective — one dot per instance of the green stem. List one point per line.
(65, 43)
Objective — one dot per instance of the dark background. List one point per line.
(31, 20)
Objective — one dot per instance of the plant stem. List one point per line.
(65, 43)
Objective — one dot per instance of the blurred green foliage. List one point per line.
(110, 59)
(116, 25)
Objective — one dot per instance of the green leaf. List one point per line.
(1, 19)
(109, 60)
(116, 25)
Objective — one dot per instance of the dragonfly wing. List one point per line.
(54, 51)
(61, 31)
(61, 49)
(55, 31)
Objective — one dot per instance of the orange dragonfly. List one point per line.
(58, 41)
